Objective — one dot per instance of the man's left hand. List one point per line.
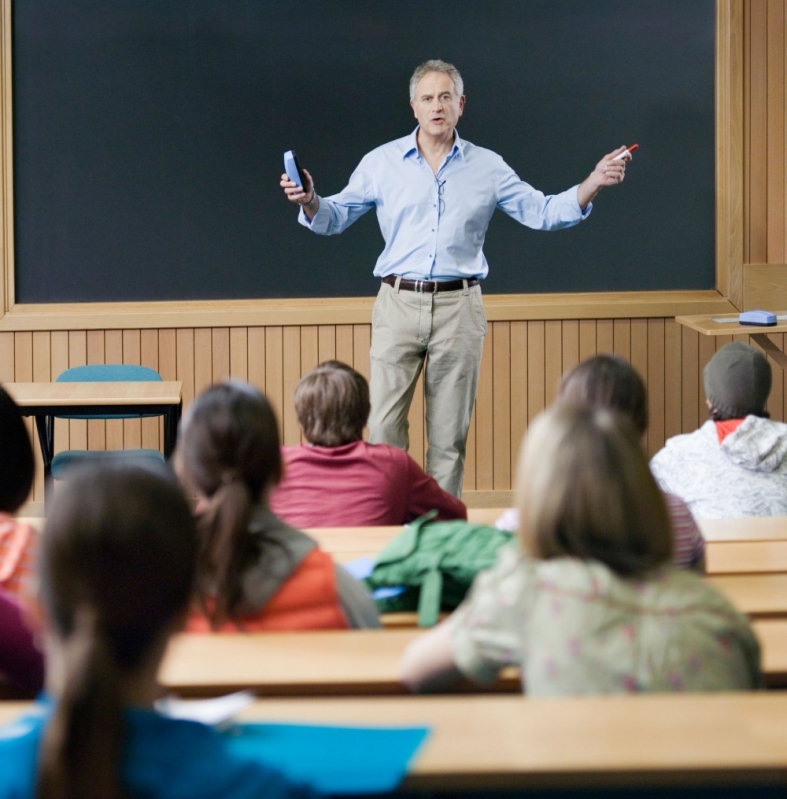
(608, 172)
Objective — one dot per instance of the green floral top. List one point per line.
(575, 627)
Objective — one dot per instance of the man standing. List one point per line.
(435, 195)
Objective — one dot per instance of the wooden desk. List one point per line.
(746, 557)
(511, 742)
(773, 642)
(348, 543)
(345, 663)
(44, 401)
(294, 664)
(711, 326)
(749, 528)
(485, 515)
(759, 596)
(745, 545)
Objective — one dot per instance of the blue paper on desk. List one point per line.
(335, 760)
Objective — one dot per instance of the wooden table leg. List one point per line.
(771, 349)
(45, 425)
(171, 420)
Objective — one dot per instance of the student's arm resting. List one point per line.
(481, 637)
(424, 494)
(336, 213)
(428, 662)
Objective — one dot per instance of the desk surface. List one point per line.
(749, 528)
(757, 595)
(708, 326)
(30, 395)
(484, 742)
(343, 663)
(294, 664)
(746, 557)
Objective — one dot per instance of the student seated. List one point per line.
(21, 661)
(117, 571)
(337, 479)
(255, 572)
(590, 604)
(17, 470)
(608, 381)
(736, 463)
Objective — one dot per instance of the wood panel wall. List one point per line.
(765, 131)
(522, 366)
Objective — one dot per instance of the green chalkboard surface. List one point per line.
(148, 138)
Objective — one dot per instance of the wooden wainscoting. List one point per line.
(523, 363)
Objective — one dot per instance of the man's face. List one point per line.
(437, 106)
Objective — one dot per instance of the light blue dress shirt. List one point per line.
(434, 225)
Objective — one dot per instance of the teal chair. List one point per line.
(104, 373)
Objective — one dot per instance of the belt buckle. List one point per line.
(419, 286)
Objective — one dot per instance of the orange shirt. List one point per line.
(723, 429)
(17, 553)
(308, 600)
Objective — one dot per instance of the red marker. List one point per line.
(628, 151)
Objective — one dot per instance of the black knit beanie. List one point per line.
(738, 381)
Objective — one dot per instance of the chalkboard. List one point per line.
(148, 138)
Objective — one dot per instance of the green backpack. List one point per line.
(435, 563)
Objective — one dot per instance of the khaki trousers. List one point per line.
(448, 327)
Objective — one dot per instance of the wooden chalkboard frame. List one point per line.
(728, 295)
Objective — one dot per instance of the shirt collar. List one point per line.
(411, 146)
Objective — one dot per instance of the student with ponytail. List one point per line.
(117, 569)
(255, 572)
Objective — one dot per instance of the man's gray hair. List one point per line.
(437, 66)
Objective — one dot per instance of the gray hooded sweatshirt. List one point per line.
(745, 475)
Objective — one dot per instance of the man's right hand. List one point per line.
(305, 197)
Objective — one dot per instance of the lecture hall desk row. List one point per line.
(511, 742)
(733, 546)
(351, 662)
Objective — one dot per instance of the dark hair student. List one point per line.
(255, 572)
(608, 381)
(117, 571)
(117, 568)
(229, 451)
(17, 467)
(612, 383)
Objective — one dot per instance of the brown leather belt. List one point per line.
(430, 286)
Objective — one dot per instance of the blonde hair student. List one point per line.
(589, 603)
(255, 572)
(117, 569)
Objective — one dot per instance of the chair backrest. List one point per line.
(108, 373)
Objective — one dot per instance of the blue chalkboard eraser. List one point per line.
(762, 318)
